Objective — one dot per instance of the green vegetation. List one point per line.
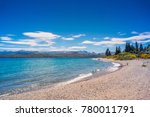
(125, 56)
(122, 56)
(145, 56)
(130, 52)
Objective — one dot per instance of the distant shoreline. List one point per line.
(129, 82)
(48, 54)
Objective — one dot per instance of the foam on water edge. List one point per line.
(114, 67)
(80, 77)
(83, 76)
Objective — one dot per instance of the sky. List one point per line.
(72, 25)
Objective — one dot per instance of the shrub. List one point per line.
(145, 56)
(125, 56)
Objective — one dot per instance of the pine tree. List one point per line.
(118, 50)
(108, 53)
(136, 47)
(127, 47)
(145, 49)
(148, 47)
(132, 49)
(141, 48)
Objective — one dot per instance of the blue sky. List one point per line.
(56, 25)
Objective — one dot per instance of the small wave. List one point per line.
(114, 67)
(116, 64)
(80, 77)
(3, 95)
(98, 70)
(95, 59)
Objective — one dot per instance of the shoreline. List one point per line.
(79, 78)
(116, 66)
(130, 82)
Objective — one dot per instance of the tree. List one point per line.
(136, 47)
(118, 50)
(145, 49)
(141, 48)
(132, 49)
(108, 53)
(127, 47)
(148, 47)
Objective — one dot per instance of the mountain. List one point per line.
(51, 54)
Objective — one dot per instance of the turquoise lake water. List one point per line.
(23, 74)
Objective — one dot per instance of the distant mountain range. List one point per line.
(51, 54)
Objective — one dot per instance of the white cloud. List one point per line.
(41, 35)
(25, 49)
(30, 42)
(72, 48)
(78, 36)
(142, 36)
(45, 44)
(145, 41)
(145, 33)
(106, 38)
(5, 38)
(102, 42)
(77, 47)
(37, 39)
(134, 32)
(68, 39)
(88, 42)
(73, 37)
(22, 42)
(121, 34)
(41, 41)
